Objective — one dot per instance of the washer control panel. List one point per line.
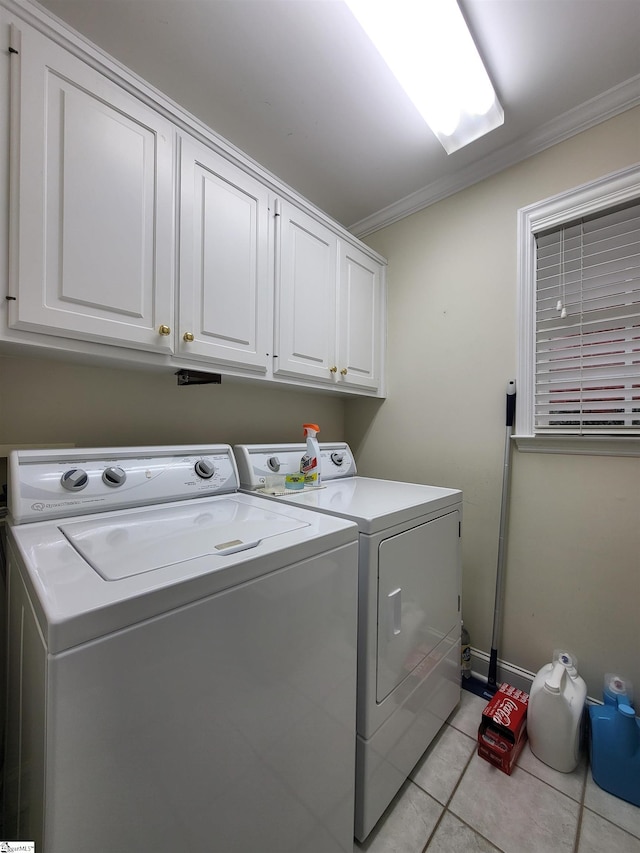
(59, 483)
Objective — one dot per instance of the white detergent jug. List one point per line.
(554, 718)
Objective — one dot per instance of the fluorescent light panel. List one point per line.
(428, 47)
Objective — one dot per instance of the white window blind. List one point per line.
(587, 325)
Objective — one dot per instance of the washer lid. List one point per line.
(138, 542)
(74, 603)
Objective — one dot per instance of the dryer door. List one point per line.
(418, 588)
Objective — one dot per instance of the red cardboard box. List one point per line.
(503, 729)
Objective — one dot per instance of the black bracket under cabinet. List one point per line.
(198, 377)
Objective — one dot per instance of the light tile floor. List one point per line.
(455, 802)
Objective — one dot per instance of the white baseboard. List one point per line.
(512, 674)
(509, 672)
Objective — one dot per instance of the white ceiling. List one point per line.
(296, 85)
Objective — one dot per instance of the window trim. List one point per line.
(606, 192)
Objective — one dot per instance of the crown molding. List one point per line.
(623, 97)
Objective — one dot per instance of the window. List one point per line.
(579, 313)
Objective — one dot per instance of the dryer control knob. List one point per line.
(114, 476)
(274, 463)
(74, 479)
(337, 458)
(205, 469)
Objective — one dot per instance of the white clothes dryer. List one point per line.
(409, 607)
(182, 659)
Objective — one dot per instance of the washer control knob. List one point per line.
(337, 458)
(114, 476)
(274, 463)
(74, 479)
(205, 469)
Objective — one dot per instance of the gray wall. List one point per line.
(51, 402)
(573, 573)
(573, 555)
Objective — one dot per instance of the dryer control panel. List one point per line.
(257, 461)
(55, 484)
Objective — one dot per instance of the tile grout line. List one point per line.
(446, 809)
(453, 792)
(455, 788)
(457, 785)
(522, 769)
(576, 845)
(532, 776)
(446, 805)
(528, 773)
(582, 807)
(549, 784)
(612, 823)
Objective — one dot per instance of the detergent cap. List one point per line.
(563, 661)
(617, 688)
(568, 660)
(554, 679)
(310, 430)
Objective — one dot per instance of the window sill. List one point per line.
(586, 445)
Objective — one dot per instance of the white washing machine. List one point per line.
(182, 659)
(409, 607)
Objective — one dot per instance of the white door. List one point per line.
(226, 291)
(306, 296)
(418, 587)
(92, 215)
(359, 319)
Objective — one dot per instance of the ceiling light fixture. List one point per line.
(428, 47)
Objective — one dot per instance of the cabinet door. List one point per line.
(92, 212)
(226, 292)
(360, 327)
(306, 296)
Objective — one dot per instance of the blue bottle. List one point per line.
(615, 742)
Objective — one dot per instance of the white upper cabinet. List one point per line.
(329, 325)
(306, 265)
(360, 319)
(225, 284)
(137, 236)
(92, 207)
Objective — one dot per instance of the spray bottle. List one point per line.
(310, 462)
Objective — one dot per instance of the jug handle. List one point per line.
(554, 679)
